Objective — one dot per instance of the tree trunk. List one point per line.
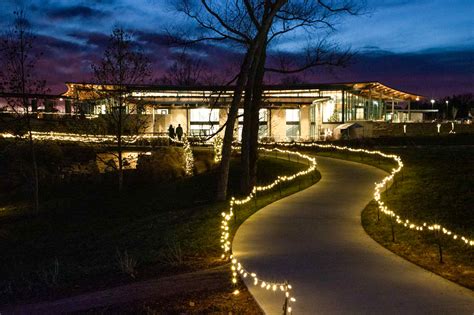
(223, 178)
(119, 149)
(255, 122)
(254, 48)
(251, 126)
(245, 185)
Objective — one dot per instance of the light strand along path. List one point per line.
(315, 240)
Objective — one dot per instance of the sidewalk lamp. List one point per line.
(432, 103)
(447, 109)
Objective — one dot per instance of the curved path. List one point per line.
(315, 240)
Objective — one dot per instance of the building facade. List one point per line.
(299, 112)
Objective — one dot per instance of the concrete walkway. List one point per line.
(315, 240)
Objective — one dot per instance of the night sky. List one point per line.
(421, 46)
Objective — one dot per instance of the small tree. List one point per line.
(123, 64)
(18, 79)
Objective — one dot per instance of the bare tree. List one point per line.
(123, 64)
(185, 71)
(253, 25)
(230, 21)
(18, 77)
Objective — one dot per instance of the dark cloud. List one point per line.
(431, 73)
(74, 33)
(77, 11)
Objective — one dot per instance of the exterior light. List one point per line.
(432, 103)
(447, 110)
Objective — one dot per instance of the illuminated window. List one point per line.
(240, 114)
(292, 115)
(203, 121)
(262, 120)
(332, 110)
(162, 111)
(204, 115)
(292, 123)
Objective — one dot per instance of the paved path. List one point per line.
(315, 240)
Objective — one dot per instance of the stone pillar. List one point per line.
(222, 121)
(305, 123)
(278, 124)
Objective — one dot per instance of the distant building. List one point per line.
(307, 111)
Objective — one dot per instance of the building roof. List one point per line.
(375, 90)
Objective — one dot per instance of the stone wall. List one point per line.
(386, 129)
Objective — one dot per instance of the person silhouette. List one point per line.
(179, 132)
(171, 134)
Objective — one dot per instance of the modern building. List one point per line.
(309, 111)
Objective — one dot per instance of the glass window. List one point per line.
(292, 123)
(292, 131)
(332, 110)
(292, 115)
(204, 115)
(161, 111)
(202, 130)
(263, 115)
(240, 114)
(263, 131)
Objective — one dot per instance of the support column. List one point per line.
(269, 122)
(188, 123)
(342, 106)
(384, 107)
(409, 110)
(34, 105)
(67, 106)
(393, 109)
(153, 119)
(305, 122)
(370, 108)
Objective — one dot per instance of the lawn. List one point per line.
(78, 243)
(436, 187)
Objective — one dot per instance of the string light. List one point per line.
(217, 149)
(87, 138)
(382, 184)
(188, 156)
(237, 267)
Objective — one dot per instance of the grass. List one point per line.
(89, 238)
(436, 187)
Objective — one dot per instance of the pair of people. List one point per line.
(172, 133)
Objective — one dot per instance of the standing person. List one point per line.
(179, 131)
(171, 133)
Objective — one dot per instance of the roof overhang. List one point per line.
(297, 93)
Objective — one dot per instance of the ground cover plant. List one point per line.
(435, 186)
(91, 237)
